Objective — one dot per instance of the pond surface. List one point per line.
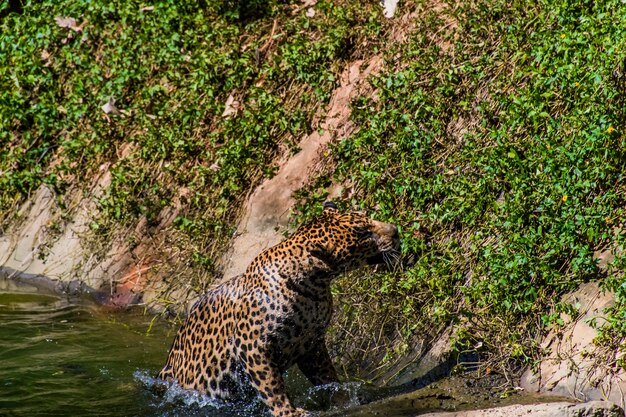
(61, 357)
(70, 357)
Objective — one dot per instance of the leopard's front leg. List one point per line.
(266, 378)
(317, 366)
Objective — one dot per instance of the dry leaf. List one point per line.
(389, 7)
(67, 23)
(109, 107)
(147, 9)
(231, 106)
(305, 5)
(45, 56)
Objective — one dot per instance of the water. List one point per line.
(69, 357)
(61, 357)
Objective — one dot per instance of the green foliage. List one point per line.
(171, 68)
(494, 139)
(499, 150)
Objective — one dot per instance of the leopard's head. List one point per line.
(346, 240)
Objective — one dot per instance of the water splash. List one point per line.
(331, 397)
(172, 400)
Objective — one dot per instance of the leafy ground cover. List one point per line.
(494, 139)
(184, 102)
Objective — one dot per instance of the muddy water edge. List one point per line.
(63, 355)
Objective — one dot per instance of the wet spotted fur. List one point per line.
(248, 330)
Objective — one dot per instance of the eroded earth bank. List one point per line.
(151, 151)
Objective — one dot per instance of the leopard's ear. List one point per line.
(330, 206)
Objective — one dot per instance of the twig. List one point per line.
(271, 38)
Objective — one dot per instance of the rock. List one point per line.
(571, 368)
(604, 258)
(41, 249)
(432, 363)
(560, 409)
(22, 246)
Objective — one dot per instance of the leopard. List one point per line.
(245, 332)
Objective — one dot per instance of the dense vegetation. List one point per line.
(494, 139)
(184, 102)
